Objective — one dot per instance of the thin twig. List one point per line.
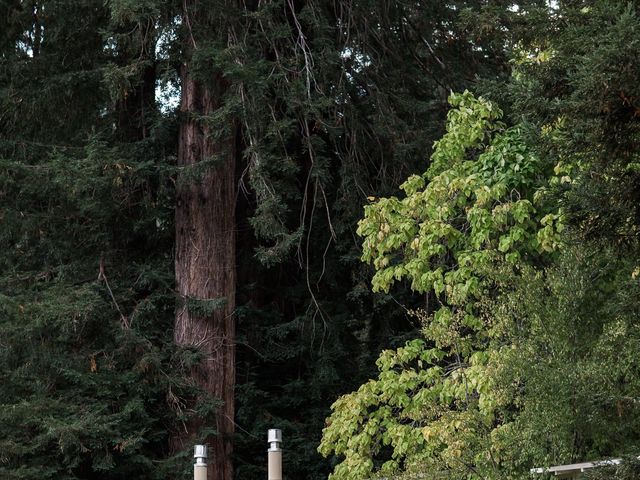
(103, 276)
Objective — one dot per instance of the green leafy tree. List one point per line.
(566, 342)
(433, 404)
(570, 374)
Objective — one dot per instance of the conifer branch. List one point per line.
(102, 276)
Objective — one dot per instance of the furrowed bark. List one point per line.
(205, 260)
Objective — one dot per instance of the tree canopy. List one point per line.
(216, 215)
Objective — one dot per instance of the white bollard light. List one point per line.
(200, 467)
(274, 454)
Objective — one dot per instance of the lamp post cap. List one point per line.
(200, 451)
(274, 435)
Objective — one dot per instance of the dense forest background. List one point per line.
(188, 191)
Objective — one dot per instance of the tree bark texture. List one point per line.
(205, 261)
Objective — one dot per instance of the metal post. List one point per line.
(274, 454)
(200, 467)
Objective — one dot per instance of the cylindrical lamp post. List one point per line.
(274, 455)
(200, 467)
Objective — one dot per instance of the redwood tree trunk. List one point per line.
(205, 260)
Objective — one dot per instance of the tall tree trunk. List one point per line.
(205, 260)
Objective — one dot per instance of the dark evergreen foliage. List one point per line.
(91, 384)
(585, 81)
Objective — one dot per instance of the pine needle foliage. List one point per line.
(91, 385)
